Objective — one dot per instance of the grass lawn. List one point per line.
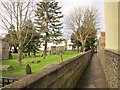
(35, 67)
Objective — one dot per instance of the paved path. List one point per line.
(93, 76)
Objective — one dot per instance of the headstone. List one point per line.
(32, 61)
(10, 67)
(37, 61)
(60, 50)
(53, 49)
(6, 67)
(28, 69)
(10, 55)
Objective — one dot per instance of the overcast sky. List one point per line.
(69, 5)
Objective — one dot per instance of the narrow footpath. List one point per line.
(93, 76)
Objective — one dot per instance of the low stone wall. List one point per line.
(110, 61)
(62, 75)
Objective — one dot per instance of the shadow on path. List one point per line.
(93, 76)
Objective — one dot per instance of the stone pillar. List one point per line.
(0, 49)
(4, 50)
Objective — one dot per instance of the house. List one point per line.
(66, 43)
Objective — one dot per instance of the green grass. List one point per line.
(52, 59)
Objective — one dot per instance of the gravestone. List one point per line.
(10, 55)
(60, 50)
(32, 62)
(37, 61)
(6, 67)
(28, 69)
(53, 49)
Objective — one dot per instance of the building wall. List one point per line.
(119, 26)
(69, 45)
(63, 43)
(110, 56)
(111, 25)
(102, 41)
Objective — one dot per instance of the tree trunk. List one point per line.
(29, 53)
(20, 56)
(78, 48)
(34, 53)
(83, 47)
(10, 49)
(45, 49)
(61, 55)
(15, 50)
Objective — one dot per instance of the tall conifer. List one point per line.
(47, 21)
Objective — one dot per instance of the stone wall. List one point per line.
(63, 75)
(110, 61)
(4, 50)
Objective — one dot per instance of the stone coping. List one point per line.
(113, 51)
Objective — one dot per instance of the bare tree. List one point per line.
(83, 24)
(13, 17)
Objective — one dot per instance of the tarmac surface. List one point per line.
(93, 76)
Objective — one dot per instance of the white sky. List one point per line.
(69, 5)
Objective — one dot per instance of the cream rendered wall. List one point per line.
(111, 25)
(119, 26)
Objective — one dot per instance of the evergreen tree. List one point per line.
(76, 43)
(48, 22)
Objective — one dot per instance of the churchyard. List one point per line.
(39, 36)
(36, 63)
